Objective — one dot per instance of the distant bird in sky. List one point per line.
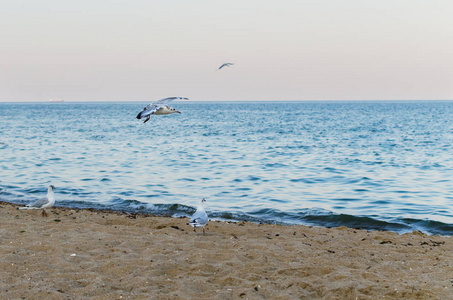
(199, 218)
(225, 65)
(43, 203)
(159, 108)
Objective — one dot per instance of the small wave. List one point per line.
(187, 179)
(275, 165)
(97, 137)
(306, 180)
(309, 217)
(348, 199)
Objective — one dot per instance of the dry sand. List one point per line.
(86, 254)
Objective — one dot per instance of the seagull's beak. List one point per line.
(178, 112)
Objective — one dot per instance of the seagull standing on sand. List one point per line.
(43, 203)
(225, 65)
(199, 218)
(159, 108)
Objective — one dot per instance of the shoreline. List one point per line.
(86, 253)
(428, 227)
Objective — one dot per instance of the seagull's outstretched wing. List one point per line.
(225, 65)
(148, 110)
(167, 100)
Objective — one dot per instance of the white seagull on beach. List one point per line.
(199, 218)
(225, 65)
(43, 203)
(159, 108)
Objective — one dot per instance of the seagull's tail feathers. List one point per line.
(193, 224)
(27, 207)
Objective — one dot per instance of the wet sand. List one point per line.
(87, 254)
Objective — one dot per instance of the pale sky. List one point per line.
(144, 50)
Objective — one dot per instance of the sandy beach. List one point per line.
(87, 254)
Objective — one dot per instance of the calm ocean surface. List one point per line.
(372, 165)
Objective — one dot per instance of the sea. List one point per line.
(374, 165)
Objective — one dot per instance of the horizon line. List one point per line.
(243, 100)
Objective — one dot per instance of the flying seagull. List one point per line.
(199, 218)
(225, 65)
(159, 108)
(43, 203)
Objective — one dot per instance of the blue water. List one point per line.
(371, 165)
